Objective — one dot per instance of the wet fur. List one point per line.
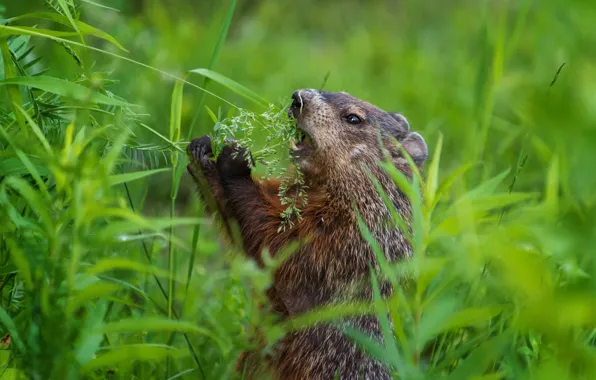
(336, 258)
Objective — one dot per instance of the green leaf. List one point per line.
(427, 272)
(551, 191)
(20, 260)
(8, 269)
(399, 178)
(128, 177)
(23, 165)
(35, 201)
(418, 221)
(328, 313)
(433, 316)
(66, 9)
(63, 88)
(369, 345)
(377, 250)
(447, 183)
(381, 311)
(10, 72)
(16, 166)
(97, 290)
(470, 317)
(212, 115)
(42, 139)
(113, 155)
(485, 188)
(222, 35)
(478, 361)
(110, 264)
(90, 339)
(212, 62)
(164, 138)
(100, 5)
(396, 217)
(432, 177)
(133, 325)
(29, 31)
(34, 171)
(9, 325)
(176, 111)
(83, 28)
(132, 353)
(134, 223)
(476, 209)
(232, 85)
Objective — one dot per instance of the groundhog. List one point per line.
(344, 139)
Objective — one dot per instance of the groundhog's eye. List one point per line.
(353, 119)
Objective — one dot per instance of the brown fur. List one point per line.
(324, 271)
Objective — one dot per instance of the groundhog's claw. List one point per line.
(232, 161)
(201, 153)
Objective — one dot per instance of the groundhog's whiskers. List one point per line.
(301, 102)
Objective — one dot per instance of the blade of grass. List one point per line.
(31, 168)
(94, 3)
(130, 353)
(34, 200)
(66, 9)
(127, 177)
(432, 177)
(63, 88)
(175, 121)
(83, 28)
(44, 142)
(490, 93)
(232, 85)
(20, 260)
(212, 63)
(9, 325)
(14, 95)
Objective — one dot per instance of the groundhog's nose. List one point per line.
(304, 94)
(300, 99)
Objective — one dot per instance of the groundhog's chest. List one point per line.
(322, 270)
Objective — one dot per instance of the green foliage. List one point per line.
(109, 270)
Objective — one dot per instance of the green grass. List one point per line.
(108, 269)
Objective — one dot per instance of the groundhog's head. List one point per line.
(341, 132)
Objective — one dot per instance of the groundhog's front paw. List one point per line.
(201, 155)
(232, 162)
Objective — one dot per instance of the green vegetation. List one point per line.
(108, 268)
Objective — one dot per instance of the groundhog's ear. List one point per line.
(403, 124)
(416, 147)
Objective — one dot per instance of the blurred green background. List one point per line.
(509, 85)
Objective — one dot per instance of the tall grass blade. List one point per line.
(232, 85)
(212, 63)
(9, 325)
(117, 179)
(10, 72)
(83, 28)
(132, 353)
(63, 88)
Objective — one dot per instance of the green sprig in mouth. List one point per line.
(301, 141)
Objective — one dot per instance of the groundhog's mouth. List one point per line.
(301, 141)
